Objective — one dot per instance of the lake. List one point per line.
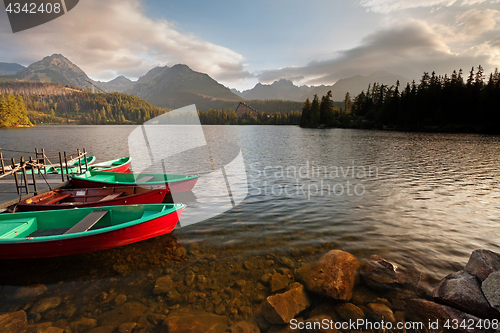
(430, 197)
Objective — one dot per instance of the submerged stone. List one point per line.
(127, 312)
(332, 275)
(163, 285)
(194, 322)
(30, 292)
(14, 322)
(349, 311)
(281, 308)
(45, 304)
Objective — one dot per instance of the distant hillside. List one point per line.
(10, 68)
(120, 84)
(178, 86)
(25, 88)
(51, 101)
(354, 85)
(56, 69)
(268, 106)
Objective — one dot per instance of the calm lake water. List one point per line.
(431, 197)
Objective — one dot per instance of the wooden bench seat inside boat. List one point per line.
(111, 196)
(53, 199)
(87, 222)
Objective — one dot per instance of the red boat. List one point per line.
(174, 183)
(73, 231)
(94, 197)
(118, 165)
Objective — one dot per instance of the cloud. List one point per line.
(386, 6)
(408, 49)
(111, 37)
(476, 22)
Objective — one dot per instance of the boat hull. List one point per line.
(172, 187)
(151, 197)
(122, 168)
(91, 243)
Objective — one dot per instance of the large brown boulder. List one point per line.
(428, 312)
(379, 273)
(462, 291)
(332, 275)
(194, 322)
(482, 263)
(491, 290)
(15, 322)
(281, 308)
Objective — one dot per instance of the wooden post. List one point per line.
(85, 156)
(25, 177)
(1, 161)
(61, 165)
(79, 161)
(43, 161)
(66, 164)
(15, 176)
(34, 178)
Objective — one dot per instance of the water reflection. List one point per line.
(435, 199)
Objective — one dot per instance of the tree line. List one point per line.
(229, 117)
(13, 112)
(444, 103)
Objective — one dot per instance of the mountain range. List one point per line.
(284, 89)
(178, 86)
(10, 68)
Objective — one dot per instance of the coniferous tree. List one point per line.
(315, 116)
(326, 112)
(305, 119)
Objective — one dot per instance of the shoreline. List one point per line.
(260, 294)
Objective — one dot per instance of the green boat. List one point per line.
(174, 183)
(73, 167)
(80, 230)
(118, 165)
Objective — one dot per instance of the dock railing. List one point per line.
(41, 164)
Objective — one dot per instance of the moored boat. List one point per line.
(94, 197)
(118, 165)
(74, 166)
(73, 231)
(174, 183)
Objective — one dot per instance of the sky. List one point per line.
(241, 43)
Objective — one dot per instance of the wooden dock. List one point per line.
(10, 197)
(16, 185)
